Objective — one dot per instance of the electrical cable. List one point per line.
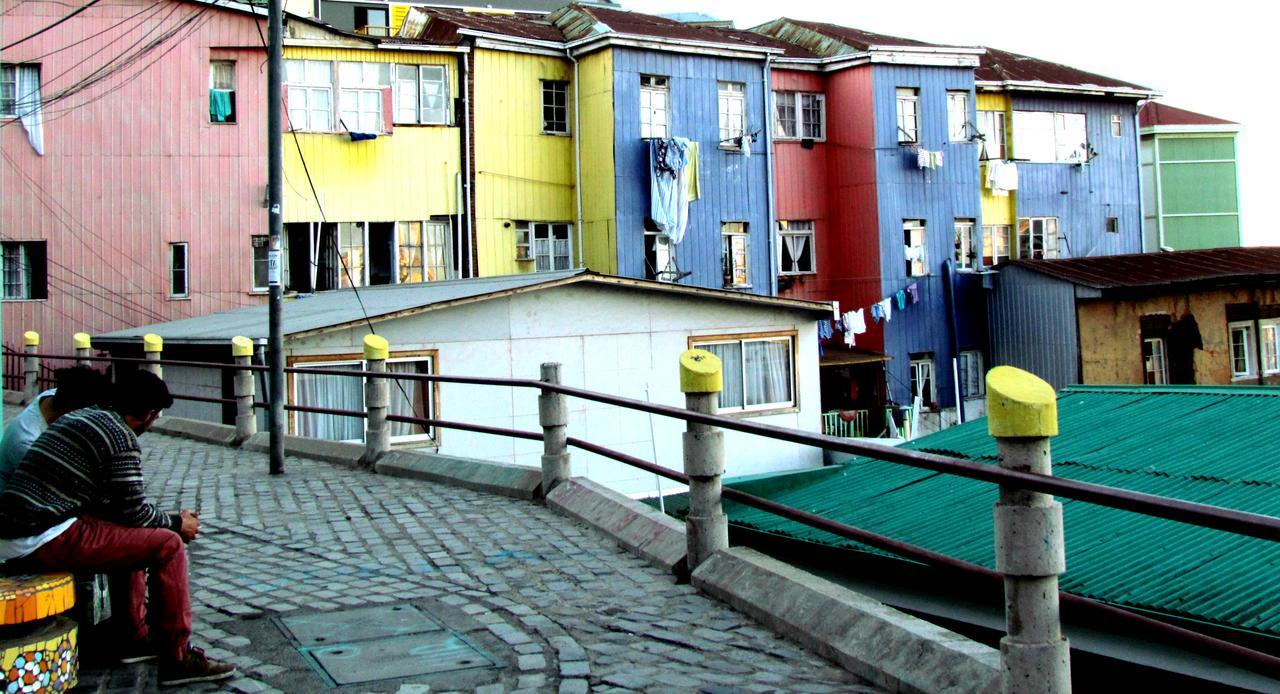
(28, 37)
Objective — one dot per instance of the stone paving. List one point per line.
(556, 605)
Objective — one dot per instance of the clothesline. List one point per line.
(854, 323)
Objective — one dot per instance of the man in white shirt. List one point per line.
(77, 387)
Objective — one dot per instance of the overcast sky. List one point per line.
(1199, 54)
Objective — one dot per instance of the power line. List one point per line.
(28, 37)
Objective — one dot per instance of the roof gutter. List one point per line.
(1092, 89)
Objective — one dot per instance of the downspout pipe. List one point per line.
(769, 175)
(467, 123)
(577, 154)
(949, 277)
(1137, 150)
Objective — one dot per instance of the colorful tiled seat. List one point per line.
(38, 646)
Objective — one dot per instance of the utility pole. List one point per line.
(275, 203)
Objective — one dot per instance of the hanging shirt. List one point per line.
(913, 291)
(668, 207)
(824, 330)
(877, 312)
(857, 322)
(886, 305)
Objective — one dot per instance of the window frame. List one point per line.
(13, 70)
(919, 364)
(9, 78)
(651, 86)
(422, 114)
(966, 255)
(32, 270)
(735, 243)
(701, 341)
(354, 362)
(1048, 251)
(1033, 150)
(528, 236)
(795, 102)
(787, 228)
(549, 88)
(909, 227)
(1159, 356)
(1270, 345)
(974, 387)
(727, 95)
(347, 278)
(957, 132)
(991, 255)
(998, 124)
(1246, 327)
(1111, 225)
(908, 96)
(213, 86)
(307, 88)
(260, 242)
(1117, 125)
(185, 270)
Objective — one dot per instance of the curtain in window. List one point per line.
(407, 398)
(768, 372)
(795, 249)
(30, 106)
(337, 392)
(731, 363)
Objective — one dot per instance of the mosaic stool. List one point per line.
(38, 651)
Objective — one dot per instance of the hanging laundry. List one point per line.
(28, 104)
(877, 312)
(668, 206)
(901, 298)
(1002, 177)
(840, 325)
(824, 330)
(856, 321)
(220, 105)
(692, 185)
(850, 339)
(935, 160)
(886, 305)
(913, 291)
(923, 160)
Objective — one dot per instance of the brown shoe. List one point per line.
(195, 666)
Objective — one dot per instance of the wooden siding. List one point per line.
(521, 174)
(407, 175)
(132, 164)
(938, 197)
(734, 187)
(599, 200)
(997, 210)
(1033, 326)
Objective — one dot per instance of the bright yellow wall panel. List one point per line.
(599, 197)
(998, 210)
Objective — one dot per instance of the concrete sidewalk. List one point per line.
(542, 603)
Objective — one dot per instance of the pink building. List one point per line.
(133, 167)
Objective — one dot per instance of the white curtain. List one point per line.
(731, 363)
(408, 398)
(795, 247)
(336, 392)
(29, 105)
(768, 372)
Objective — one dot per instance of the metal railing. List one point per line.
(845, 424)
(554, 434)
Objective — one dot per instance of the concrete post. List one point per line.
(1022, 413)
(553, 415)
(242, 388)
(377, 435)
(707, 527)
(30, 365)
(152, 346)
(84, 348)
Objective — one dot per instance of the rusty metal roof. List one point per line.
(863, 40)
(1155, 113)
(444, 25)
(599, 20)
(1002, 66)
(1145, 270)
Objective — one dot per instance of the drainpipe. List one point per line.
(577, 153)
(1137, 149)
(460, 197)
(768, 159)
(466, 80)
(949, 276)
(1155, 156)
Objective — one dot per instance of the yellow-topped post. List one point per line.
(152, 346)
(242, 388)
(30, 365)
(553, 416)
(83, 345)
(707, 527)
(1022, 413)
(377, 435)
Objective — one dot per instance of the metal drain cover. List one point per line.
(396, 657)
(360, 624)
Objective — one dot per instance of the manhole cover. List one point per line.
(360, 624)
(396, 657)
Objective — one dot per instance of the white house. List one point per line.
(612, 335)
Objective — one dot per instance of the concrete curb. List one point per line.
(15, 397)
(640, 529)
(504, 479)
(891, 649)
(208, 432)
(337, 452)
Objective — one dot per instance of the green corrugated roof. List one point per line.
(1214, 445)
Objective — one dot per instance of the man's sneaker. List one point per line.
(195, 666)
(138, 651)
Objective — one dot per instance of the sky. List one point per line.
(1198, 54)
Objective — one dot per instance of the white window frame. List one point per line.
(437, 250)
(789, 340)
(1245, 330)
(356, 365)
(803, 229)
(966, 254)
(1117, 125)
(908, 99)
(537, 242)
(1155, 361)
(550, 89)
(1048, 232)
(993, 251)
(800, 105)
(1269, 338)
(991, 125)
(360, 95)
(970, 367)
(1050, 137)
(655, 106)
(9, 81)
(260, 250)
(921, 370)
(957, 116)
(410, 95)
(735, 246)
(915, 242)
(302, 89)
(785, 113)
(359, 276)
(184, 271)
(731, 98)
(226, 83)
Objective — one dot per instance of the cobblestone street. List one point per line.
(555, 606)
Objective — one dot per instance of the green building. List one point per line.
(1190, 181)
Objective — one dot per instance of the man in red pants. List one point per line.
(77, 503)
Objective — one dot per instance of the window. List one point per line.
(1117, 125)
(407, 398)
(351, 254)
(19, 90)
(654, 99)
(545, 243)
(1241, 349)
(8, 91)
(261, 255)
(372, 21)
(1047, 137)
(733, 236)
(991, 127)
(958, 116)
(759, 372)
(555, 107)
(970, 366)
(1113, 225)
(995, 244)
(1155, 370)
(795, 243)
(309, 91)
(799, 115)
(1270, 330)
(908, 115)
(360, 96)
(436, 250)
(25, 270)
(1037, 238)
(422, 94)
(966, 254)
(178, 270)
(659, 254)
(222, 91)
(733, 114)
(409, 253)
(922, 380)
(913, 240)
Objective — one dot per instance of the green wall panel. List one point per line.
(1198, 188)
(1197, 148)
(1189, 233)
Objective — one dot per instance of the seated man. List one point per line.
(76, 503)
(77, 387)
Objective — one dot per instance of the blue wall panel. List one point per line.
(734, 187)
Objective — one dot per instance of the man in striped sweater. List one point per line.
(77, 503)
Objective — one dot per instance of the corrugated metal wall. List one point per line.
(1033, 325)
(599, 200)
(734, 187)
(802, 183)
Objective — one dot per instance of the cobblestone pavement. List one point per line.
(557, 606)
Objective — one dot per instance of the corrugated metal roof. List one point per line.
(1213, 445)
(863, 40)
(1155, 113)
(1155, 269)
(326, 310)
(1002, 66)
(579, 21)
